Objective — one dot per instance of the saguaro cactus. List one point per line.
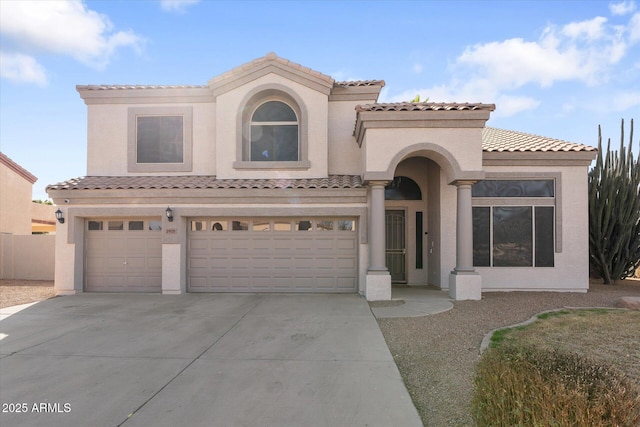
(614, 211)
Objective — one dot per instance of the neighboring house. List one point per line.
(18, 214)
(22, 255)
(276, 178)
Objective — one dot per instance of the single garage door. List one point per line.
(123, 255)
(272, 255)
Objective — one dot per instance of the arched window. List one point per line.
(274, 133)
(402, 188)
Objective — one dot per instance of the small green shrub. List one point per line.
(526, 386)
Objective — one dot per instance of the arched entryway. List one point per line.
(437, 243)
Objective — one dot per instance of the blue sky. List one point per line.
(553, 68)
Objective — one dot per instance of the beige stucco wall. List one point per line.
(107, 134)
(344, 153)
(27, 257)
(15, 202)
(381, 146)
(229, 106)
(571, 271)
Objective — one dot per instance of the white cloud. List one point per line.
(498, 72)
(592, 29)
(625, 101)
(634, 28)
(622, 8)
(179, 6)
(509, 105)
(63, 27)
(417, 68)
(21, 68)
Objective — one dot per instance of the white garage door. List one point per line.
(123, 255)
(272, 255)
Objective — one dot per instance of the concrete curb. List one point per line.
(487, 338)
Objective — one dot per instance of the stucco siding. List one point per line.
(571, 270)
(229, 107)
(463, 144)
(15, 202)
(344, 153)
(108, 144)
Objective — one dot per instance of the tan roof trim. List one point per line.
(358, 90)
(143, 94)
(5, 160)
(425, 106)
(270, 63)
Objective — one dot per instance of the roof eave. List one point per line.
(92, 94)
(538, 158)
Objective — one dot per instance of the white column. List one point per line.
(378, 282)
(464, 228)
(377, 261)
(464, 282)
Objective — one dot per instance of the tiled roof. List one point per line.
(500, 140)
(424, 106)
(202, 182)
(354, 83)
(271, 56)
(125, 87)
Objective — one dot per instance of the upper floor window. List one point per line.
(274, 133)
(160, 139)
(272, 129)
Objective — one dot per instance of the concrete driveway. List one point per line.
(199, 360)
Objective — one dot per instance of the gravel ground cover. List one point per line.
(15, 292)
(436, 355)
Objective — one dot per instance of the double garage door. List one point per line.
(272, 255)
(226, 255)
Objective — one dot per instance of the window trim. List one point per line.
(255, 98)
(187, 139)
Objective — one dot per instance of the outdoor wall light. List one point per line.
(169, 213)
(59, 216)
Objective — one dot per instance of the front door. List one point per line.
(396, 247)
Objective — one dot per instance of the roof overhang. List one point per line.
(418, 119)
(538, 158)
(114, 94)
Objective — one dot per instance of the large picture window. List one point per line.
(514, 234)
(160, 139)
(274, 133)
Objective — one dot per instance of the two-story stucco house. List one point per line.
(276, 178)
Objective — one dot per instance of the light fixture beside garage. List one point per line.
(169, 213)
(59, 216)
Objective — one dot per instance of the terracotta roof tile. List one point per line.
(353, 83)
(202, 182)
(501, 140)
(126, 87)
(423, 106)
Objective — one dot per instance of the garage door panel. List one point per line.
(272, 261)
(123, 260)
(346, 244)
(198, 243)
(155, 263)
(346, 263)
